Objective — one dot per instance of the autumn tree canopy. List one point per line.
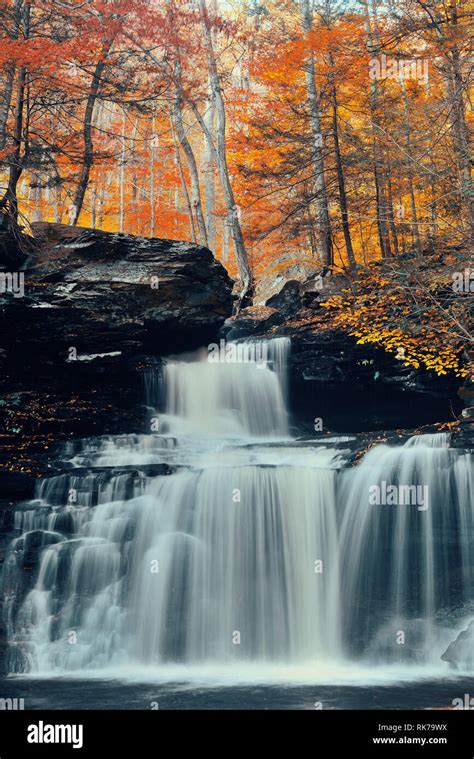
(279, 133)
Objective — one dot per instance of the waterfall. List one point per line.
(237, 399)
(406, 545)
(225, 548)
(237, 392)
(279, 350)
(431, 440)
(218, 540)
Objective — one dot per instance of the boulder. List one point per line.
(288, 300)
(251, 322)
(101, 292)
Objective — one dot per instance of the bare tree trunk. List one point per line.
(196, 202)
(415, 230)
(433, 205)
(221, 155)
(381, 205)
(390, 214)
(94, 206)
(56, 200)
(122, 172)
(209, 167)
(377, 150)
(342, 185)
(16, 160)
(152, 177)
(409, 170)
(10, 70)
(192, 227)
(225, 241)
(10, 200)
(100, 209)
(461, 138)
(6, 102)
(313, 244)
(312, 94)
(362, 241)
(88, 156)
(403, 233)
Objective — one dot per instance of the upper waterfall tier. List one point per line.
(237, 391)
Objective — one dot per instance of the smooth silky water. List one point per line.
(257, 559)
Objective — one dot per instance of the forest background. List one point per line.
(290, 137)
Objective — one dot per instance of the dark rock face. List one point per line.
(14, 249)
(465, 433)
(252, 321)
(95, 304)
(288, 301)
(105, 289)
(351, 387)
(359, 387)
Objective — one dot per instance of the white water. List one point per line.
(407, 565)
(223, 400)
(254, 560)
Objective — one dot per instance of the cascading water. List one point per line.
(203, 400)
(406, 546)
(220, 540)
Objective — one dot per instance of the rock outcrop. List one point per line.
(350, 387)
(95, 304)
(106, 291)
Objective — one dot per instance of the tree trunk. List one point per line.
(6, 102)
(209, 167)
(221, 155)
(101, 207)
(390, 214)
(94, 207)
(411, 189)
(225, 241)
(433, 205)
(377, 149)
(122, 172)
(152, 177)
(88, 157)
(461, 138)
(10, 70)
(188, 152)
(192, 227)
(320, 189)
(342, 185)
(362, 241)
(15, 160)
